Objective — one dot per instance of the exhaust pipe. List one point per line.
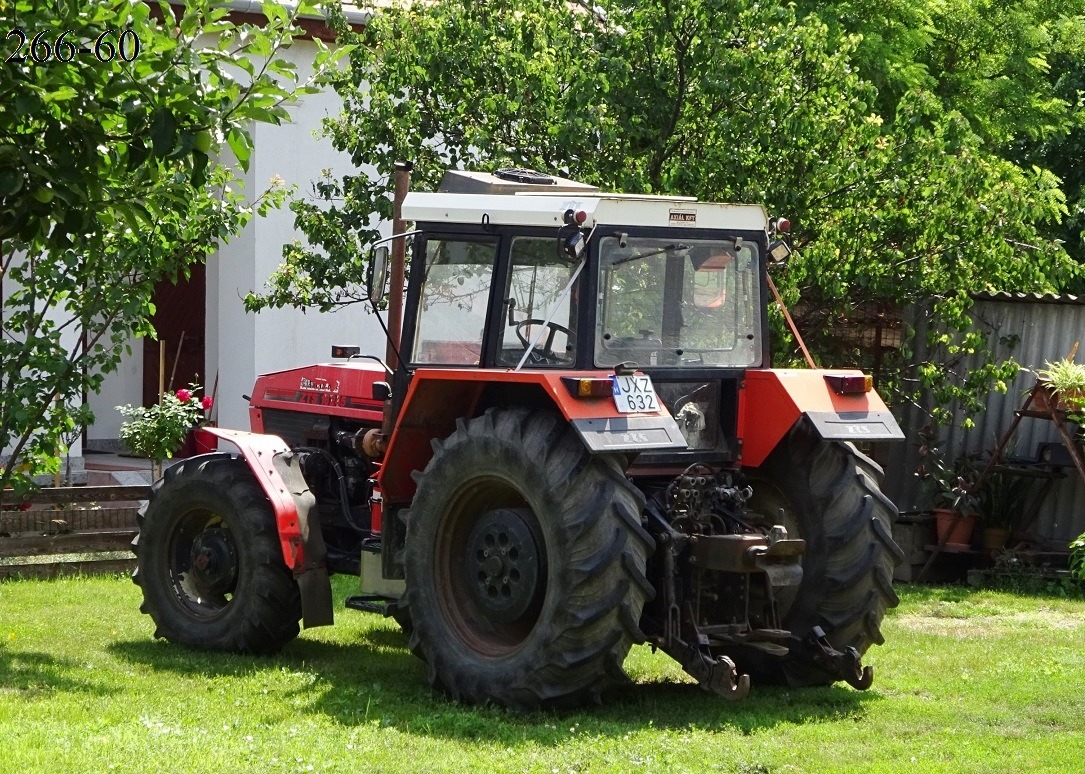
(396, 281)
(399, 262)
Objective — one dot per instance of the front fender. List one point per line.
(277, 471)
(772, 401)
(438, 397)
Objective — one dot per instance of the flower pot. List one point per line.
(957, 526)
(12, 504)
(1061, 400)
(206, 443)
(995, 538)
(188, 448)
(198, 441)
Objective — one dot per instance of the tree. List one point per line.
(726, 101)
(1014, 71)
(114, 120)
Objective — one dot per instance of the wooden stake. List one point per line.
(156, 466)
(176, 360)
(213, 417)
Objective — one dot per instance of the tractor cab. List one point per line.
(521, 271)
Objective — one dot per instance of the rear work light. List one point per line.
(588, 387)
(846, 384)
(345, 350)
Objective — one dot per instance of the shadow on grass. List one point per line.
(375, 681)
(29, 674)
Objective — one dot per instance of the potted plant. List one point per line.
(1003, 497)
(951, 488)
(1064, 387)
(158, 432)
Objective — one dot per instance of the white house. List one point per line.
(221, 341)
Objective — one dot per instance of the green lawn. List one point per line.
(968, 680)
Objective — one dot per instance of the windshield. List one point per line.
(678, 302)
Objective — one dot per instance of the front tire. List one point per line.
(525, 564)
(209, 561)
(827, 493)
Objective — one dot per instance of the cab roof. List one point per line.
(522, 198)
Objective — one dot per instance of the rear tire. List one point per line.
(525, 564)
(209, 560)
(830, 496)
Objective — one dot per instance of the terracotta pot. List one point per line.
(1065, 400)
(995, 538)
(959, 527)
(1041, 399)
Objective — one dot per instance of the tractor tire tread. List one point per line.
(263, 612)
(597, 555)
(846, 588)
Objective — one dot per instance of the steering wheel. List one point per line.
(633, 349)
(545, 353)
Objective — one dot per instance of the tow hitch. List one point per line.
(844, 665)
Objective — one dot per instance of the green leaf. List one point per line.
(241, 145)
(137, 153)
(61, 94)
(199, 168)
(11, 181)
(163, 131)
(274, 11)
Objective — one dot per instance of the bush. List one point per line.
(1077, 557)
(159, 431)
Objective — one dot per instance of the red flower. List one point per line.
(184, 395)
(208, 402)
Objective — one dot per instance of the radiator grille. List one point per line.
(297, 429)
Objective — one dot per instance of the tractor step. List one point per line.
(371, 603)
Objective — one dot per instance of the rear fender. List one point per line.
(437, 398)
(277, 471)
(772, 401)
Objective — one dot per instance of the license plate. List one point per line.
(634, 394)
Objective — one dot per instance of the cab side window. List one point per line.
(536, 290)
(453, 302)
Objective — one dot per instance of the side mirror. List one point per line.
(709, 288)
(377, 274)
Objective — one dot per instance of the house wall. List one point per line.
(240, 345)
(121, 387)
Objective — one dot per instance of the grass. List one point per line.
(967, 681)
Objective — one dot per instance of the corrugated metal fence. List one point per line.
(1032, 329)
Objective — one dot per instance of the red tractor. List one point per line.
(573, 445)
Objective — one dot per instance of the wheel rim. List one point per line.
(503, 559)
(203, 564)
(490, 567)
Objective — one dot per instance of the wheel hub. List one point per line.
(503, 564)
(214, 563)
